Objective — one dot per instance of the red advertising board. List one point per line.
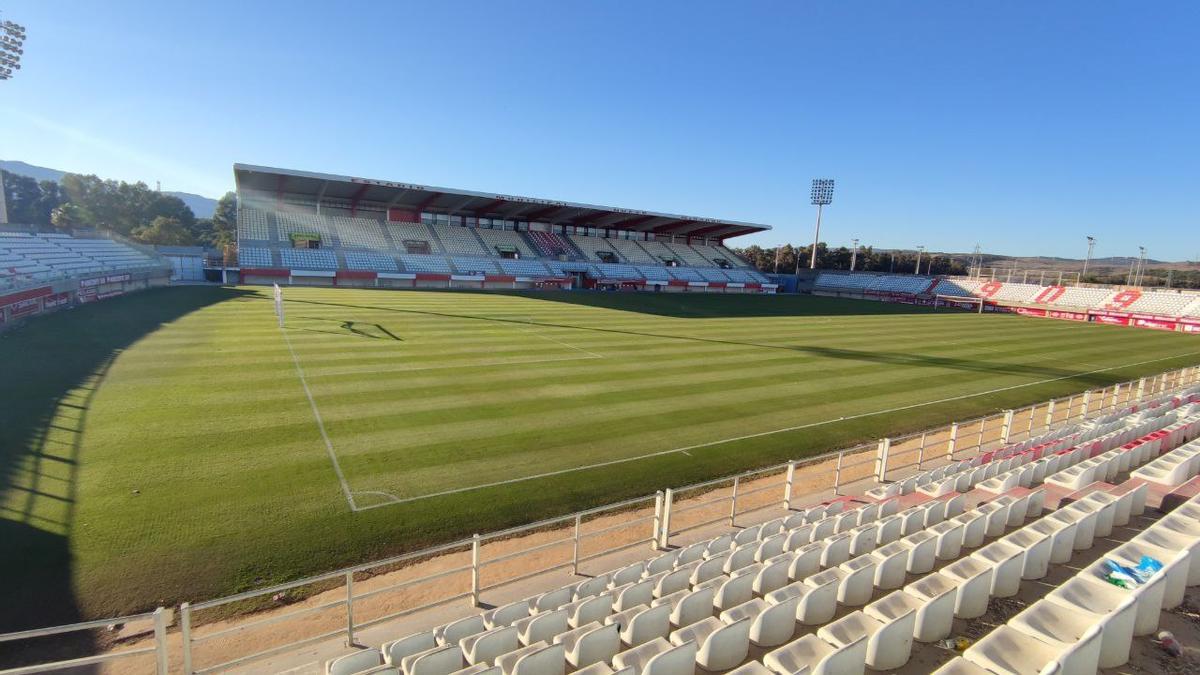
(1189, 327)
(56, 300)
(1031, 311)
(1155, 324)
(1110, 319)
(25, 307)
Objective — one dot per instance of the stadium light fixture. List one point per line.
(12, 47)
(920, 250)
(1088, 259)
(853, 254)
(822, 195)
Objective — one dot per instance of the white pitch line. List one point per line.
(337, 467)
(760, 434)
(530, 321)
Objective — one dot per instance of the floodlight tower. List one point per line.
(1141, 268)
(1088, 259)
(822, 195)
(12, 43)
(853, 254)
(920, 250)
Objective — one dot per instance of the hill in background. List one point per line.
(199, 204)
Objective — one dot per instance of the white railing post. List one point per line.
(1070, 409)
(160, 641)
(1050, 414)
(665, 534)
(658, 515)
(349, 609)
(1141, 391)
(787, 486)
(881, 458)
(575, 551)
(1029, 427)
(185, 633)
(475, 570)
(921, 450)
(982, 428)
(1116, 398)
(950, 445)
(837, 473)
(737, 480)
(1006, 430)
(1087, 402)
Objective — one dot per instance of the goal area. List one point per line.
(968, 302)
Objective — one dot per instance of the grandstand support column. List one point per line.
(475, 570)
(350, 609)
(737, 481)
(665, 531)
(1006, 432)
(1050, 414)
(881, 459)
(658, 514)
(787, 486)
(950, 445)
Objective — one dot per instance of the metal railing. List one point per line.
(158, 649)
(339, 604)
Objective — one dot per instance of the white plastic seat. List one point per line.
(544, 626)
(974, 579)
(486, 646)
(937, 594)
(436, 661)
(813, 656)
(888, 529)
(806, 562)
(1008, 562)
(480, 669)
(593, 586)
(508, 662)
(862, 539)
(506, 614)
(718, 545)
(823, 528)
(632, 595)
(690, 606)
(797, 537)
(954, 506)
(1065, 628)
(846, 520)
(770, 547)
(354, 663)
(627, 575)
(1085, 525)
(552, 600)
(770, 624)
(746, 535)
(1147, 598)
(1007, 650)
(394, 651)
(659, 657)
(675, 580)
(721, 645)
(1176, 565)
(956, 666)
(934, 512)
(710, 568)
(816, 601)
(858, 583)
(922, 551)
(949, 539)
(868, 513)
(1062, 537)
(1178, 533)
(837, 550)
(974, 528)
(772, 576)
(740, 557)
(891, 645)
(646, 625)
(891, 563)
(662, 563)
(1037, 548)
(734, 590)
(593, 643)
(749, 668)
(451, 633)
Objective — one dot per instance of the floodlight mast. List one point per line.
(822, 195)
(853, 254)
(12, 41)
(920, 250)
(1088, 259)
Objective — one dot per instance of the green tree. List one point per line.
(68, 217)
(222, 227)
(164, 231)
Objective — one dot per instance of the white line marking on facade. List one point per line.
(760, 434)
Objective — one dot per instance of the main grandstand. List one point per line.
(321, 229)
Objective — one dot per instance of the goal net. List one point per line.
(968, 302)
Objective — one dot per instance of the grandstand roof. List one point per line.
(480, 204)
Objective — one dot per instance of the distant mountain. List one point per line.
(200, 205)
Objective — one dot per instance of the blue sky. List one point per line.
(1021, 126)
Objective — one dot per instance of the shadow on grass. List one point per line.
(53, 368)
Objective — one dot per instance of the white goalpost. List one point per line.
(279, 304)
(969, 302)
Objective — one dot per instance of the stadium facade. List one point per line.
(323, 229)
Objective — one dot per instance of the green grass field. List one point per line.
(161, 447)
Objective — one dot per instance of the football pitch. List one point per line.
(178, 444)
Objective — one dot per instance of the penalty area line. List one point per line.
(799, 427)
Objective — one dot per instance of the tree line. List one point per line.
(783, 260)
(129, 209)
